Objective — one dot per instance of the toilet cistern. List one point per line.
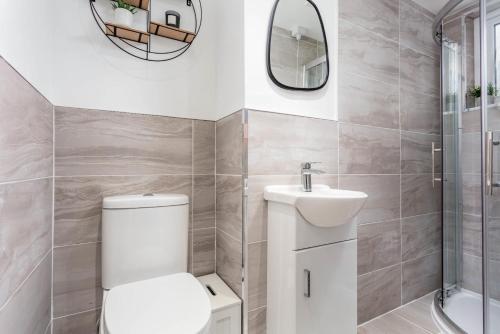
(306, 173)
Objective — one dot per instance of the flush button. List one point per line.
(148, 195)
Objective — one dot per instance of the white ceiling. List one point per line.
(432, 5)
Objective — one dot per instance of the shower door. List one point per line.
(451, 83)
(490, 70)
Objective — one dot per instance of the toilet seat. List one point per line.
(175, 303)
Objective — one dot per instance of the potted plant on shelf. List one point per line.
(124, 13)
(492, 93)
(474, 97)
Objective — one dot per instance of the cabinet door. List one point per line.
(326, 289)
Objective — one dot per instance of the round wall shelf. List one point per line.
(150, 38)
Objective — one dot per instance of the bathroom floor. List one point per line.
(412, 318)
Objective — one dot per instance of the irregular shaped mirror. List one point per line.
(297, 50)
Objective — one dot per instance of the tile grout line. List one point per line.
(25, 180)
(192, 196)
(53, 215)
(18, 288)
(400, 158)
(78, 313)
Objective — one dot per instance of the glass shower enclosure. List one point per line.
(468, 33)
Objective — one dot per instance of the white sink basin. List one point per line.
(323, 207)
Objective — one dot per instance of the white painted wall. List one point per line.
(61, 51)
(230, 62)
(260, 92)
(93, 73)
(26, 34)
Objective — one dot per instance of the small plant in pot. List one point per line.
(124, 13)
(474, 97)
(492, 93)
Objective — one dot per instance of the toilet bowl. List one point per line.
(174, 303)
(147, 289)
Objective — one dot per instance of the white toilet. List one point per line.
(144, 268)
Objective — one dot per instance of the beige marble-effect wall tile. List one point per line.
(25, 231)
(203, 147)
(203, 251)
(472, 273)
(284, 56)
(419, 72)
(82, 323)
(78, 201)
(471, 153)
(229, 205)
(28, 312)
(229, 144)
(378, 292)
(368, 102)
(257, 275)
(471, 194)
(416, 156)
(203, 201)
(228, 261)
(257, 206)
(96, 142)
(379, 246)
(379, 16)
(418, 197)
(472, 235)
(274, 149)
(421, 235)
(48, 330)
(368, 150)
(421, 276)
(383, 202)
(419, 112)
(77, 279)
(367, 54)
(257, 321)
(25, 129)
(416, 29)
(471, 121)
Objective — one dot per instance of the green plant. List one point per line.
(122, 4)
(474, 91)
(492, 89)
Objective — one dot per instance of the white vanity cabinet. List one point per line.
(311, 274)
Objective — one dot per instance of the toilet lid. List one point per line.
(170, 304)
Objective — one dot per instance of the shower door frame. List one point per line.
(486, 158)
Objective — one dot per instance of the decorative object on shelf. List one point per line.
(492, 93)
(155, 41)
(474, 96)
(124, 13)
(172, 19)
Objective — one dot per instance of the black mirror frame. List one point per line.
(268, 51)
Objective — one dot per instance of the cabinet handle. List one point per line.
(307, 283)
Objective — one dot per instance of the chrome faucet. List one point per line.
(306, 172)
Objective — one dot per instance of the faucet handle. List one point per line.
(308, 165)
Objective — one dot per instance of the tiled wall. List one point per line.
(26, 159)
(229, 209)
(388, 117)
(102, 153)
